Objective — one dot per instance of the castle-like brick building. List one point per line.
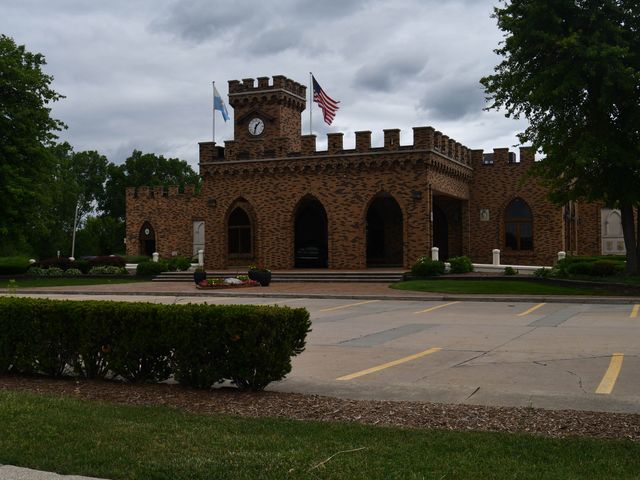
(270, 197)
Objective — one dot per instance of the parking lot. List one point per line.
(550, 355)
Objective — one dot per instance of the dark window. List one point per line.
(239, 232)
(518, 226)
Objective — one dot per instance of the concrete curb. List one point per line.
(8, 472)
(421, 298)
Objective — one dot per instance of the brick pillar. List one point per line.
(334, 142)
(363, 141)
(423, 137)
(392, 139)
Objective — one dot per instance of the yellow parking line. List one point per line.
(532, 309)
(634, 312)
(389, 364)
(436, 307)
(611, 375)
(347, 306)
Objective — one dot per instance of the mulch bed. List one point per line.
(554, 423)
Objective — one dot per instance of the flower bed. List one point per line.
(240, 281)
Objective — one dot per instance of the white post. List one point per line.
(155, 256)
(434, 254)
(562, 255)
(72, 259)
(496, 256)
(201, 258)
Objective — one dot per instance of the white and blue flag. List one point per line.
(218, 104)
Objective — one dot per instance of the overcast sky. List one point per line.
(137, 74)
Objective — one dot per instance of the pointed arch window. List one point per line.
(240, 233)
(518, 225)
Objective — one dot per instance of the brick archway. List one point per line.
(384, 232)
(310, 233)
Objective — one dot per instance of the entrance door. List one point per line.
(384, 233)
(310, 235)
(147, 240)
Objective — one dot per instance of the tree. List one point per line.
(572, 68)
(26, 130)
(78, 181)
(143, 169)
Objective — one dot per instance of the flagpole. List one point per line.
(213, 92)
(310, 103)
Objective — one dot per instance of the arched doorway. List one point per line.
(147, 240)
(440, 232)
(310, 235)
(384, 233)
(239, 234)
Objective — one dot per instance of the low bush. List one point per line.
(14, 265)
(510, 271)
(40, 272)
(107, 261)
(543, 272)
(54, 272)
(72, 272)
(199, 345)
(565, 267)
(604, 268)
(62, 263)
(425, 267)
(108, 270)
(460, 265)
(150, 269)
(179, 263)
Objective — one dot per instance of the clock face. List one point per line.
(147, 231)
(256, 126)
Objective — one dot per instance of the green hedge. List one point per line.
(460, 265)
(595, 266)
(425, 267)
(13, 265)
(199, 345)
(150, 269)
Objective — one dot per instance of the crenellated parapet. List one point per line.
(503, 157)
(171, 191)
(424, 139)
(280, 90)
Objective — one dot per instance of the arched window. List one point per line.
(518, 225)
(239, 233)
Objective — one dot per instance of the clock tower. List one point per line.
(267, 120)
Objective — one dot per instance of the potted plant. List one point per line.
(260, 274)
(199, 275)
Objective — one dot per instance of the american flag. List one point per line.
(328, 105)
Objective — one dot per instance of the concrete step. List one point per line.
(316, 277)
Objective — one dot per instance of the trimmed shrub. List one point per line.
(54, 272)
(179, 263)
(460, 265)
(579, 268)
(14, 265)
(510, 271)
(425, 267)
(198, 344)
(72, 272)
(543, 272)
(82, 265)
(41, 272)
(604, 268)
(150, 269)
(108, 270)
(107, 261)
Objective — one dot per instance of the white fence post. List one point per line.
(562, 255)
(434, 254)
(201, 258)
(496, 256)
(155, 256)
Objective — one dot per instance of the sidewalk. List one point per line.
(364, 291)
(7, 472)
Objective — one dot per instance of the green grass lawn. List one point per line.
(131, 442)
(495, 287)
(64, 282)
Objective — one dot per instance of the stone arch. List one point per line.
(384, 231)
(310, 233)
(147, 239)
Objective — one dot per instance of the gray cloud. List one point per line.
(453, 101)
(389, 74)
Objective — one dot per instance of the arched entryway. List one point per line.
(384, 232)
(310, 234)
(440, 232)
(239, 234)
(147, 240)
